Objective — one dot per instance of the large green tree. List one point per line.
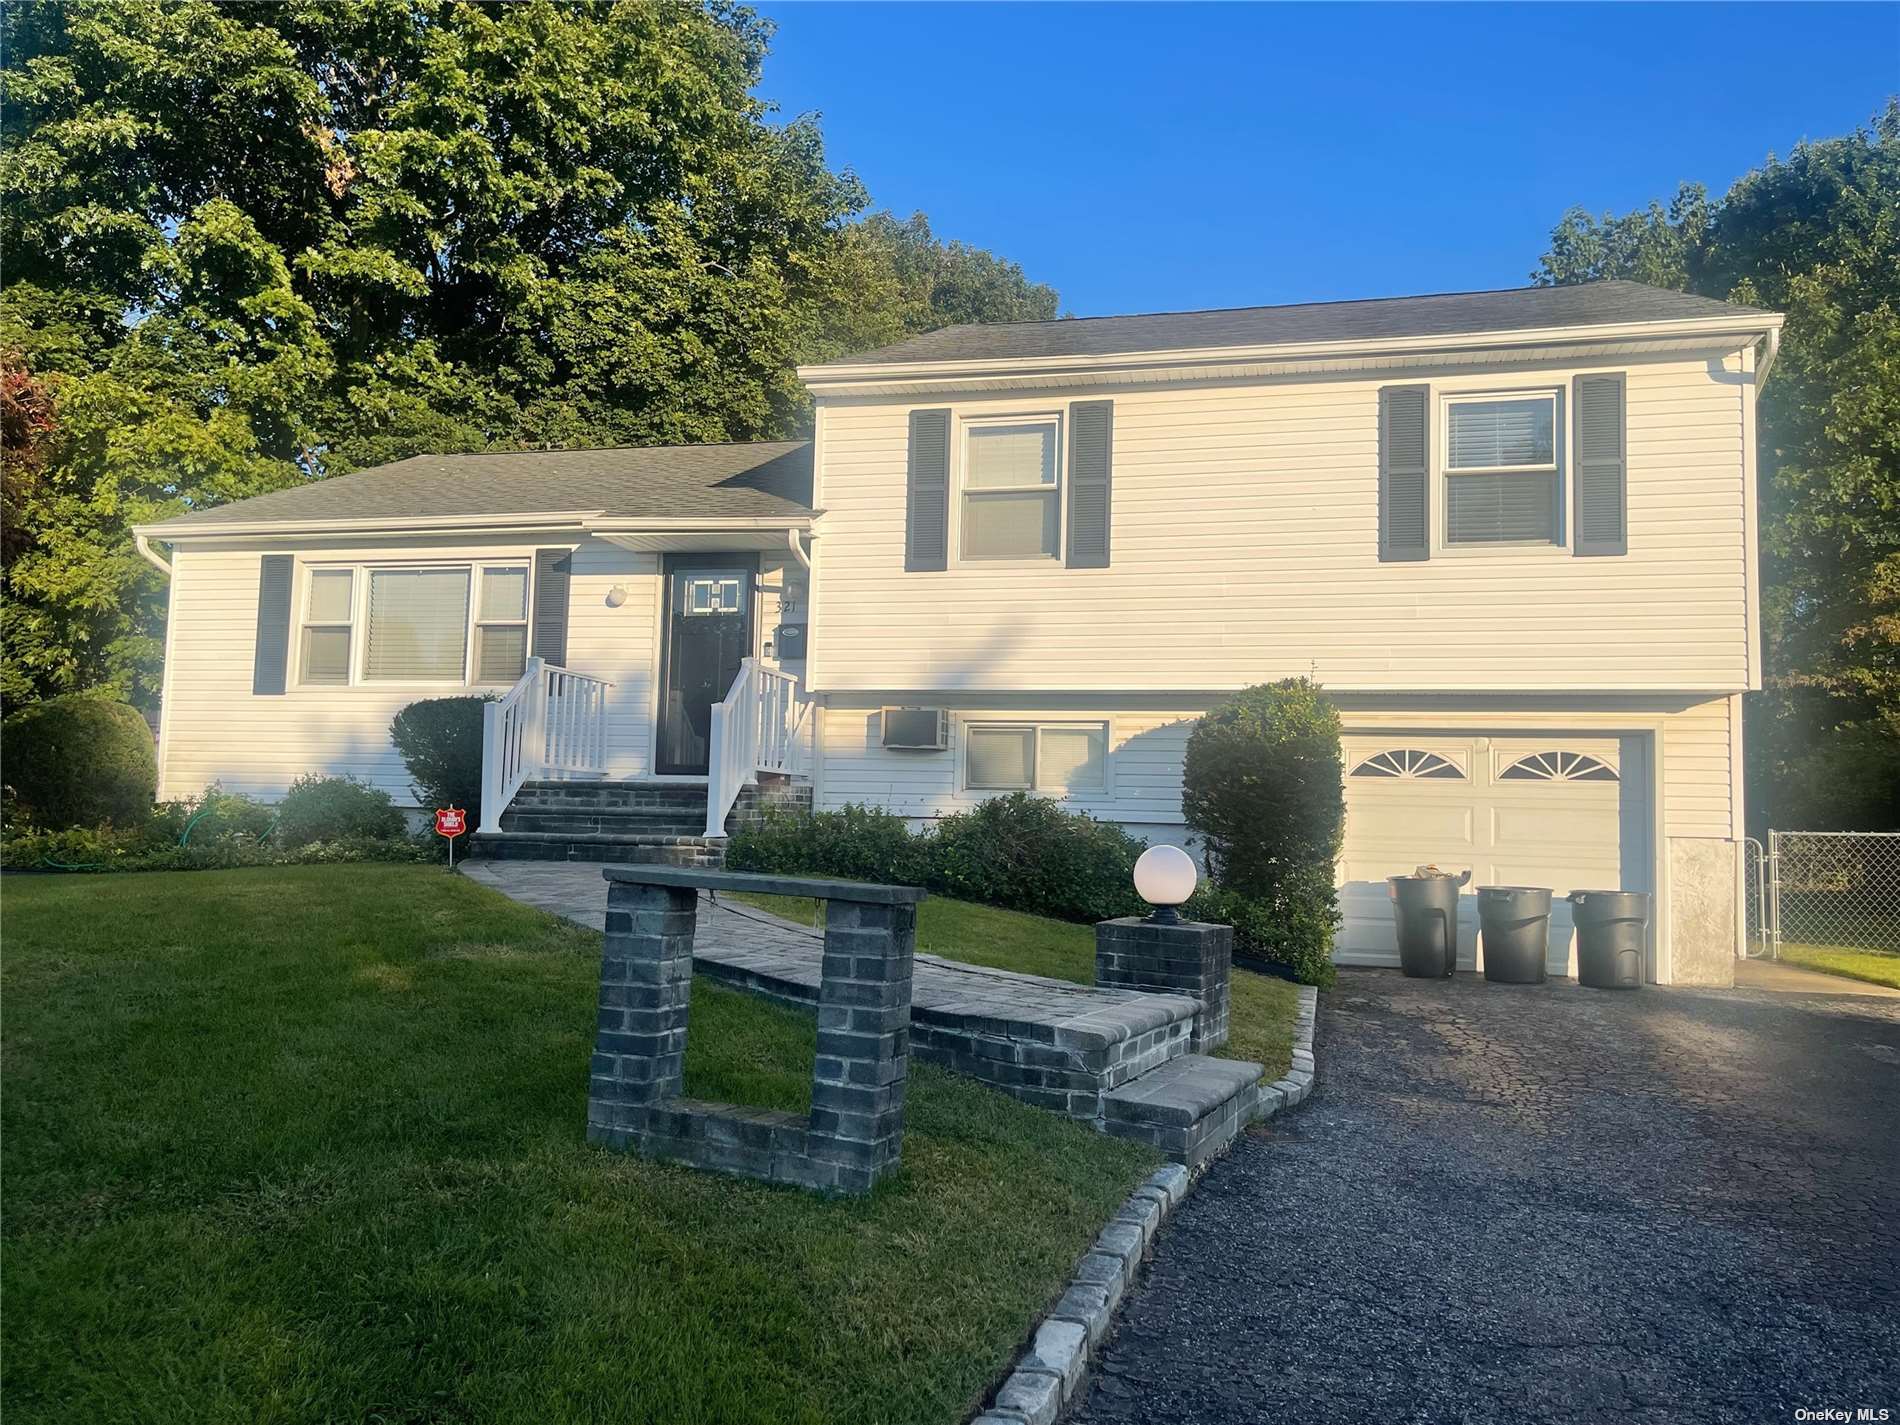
(1816, 236)
(250, 245)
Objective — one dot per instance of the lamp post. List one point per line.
(1165, 877)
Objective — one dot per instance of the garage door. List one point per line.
(1543, 810)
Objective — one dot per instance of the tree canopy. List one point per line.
(1816, 236)
(251, 245)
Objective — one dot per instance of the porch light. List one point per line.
(1165, 877)
(616, 596)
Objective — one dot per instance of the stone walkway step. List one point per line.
(1117, 1059)
(594, 849)
(1190, 1108)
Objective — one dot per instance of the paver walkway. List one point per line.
(1542, 1204)
(749, 942)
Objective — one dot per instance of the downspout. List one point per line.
(1771, 348)
(798, 550)
(150, 555)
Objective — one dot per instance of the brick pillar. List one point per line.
(857, 1091)
(646, 984)
(1192, 958)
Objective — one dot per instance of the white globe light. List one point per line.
(1165, 875)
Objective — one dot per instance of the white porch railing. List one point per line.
(758, 728)
(551, 723)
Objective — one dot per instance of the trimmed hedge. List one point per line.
(440, 740)
(1027, 853)
(79, 760)
(1263, 786)
(102, 851)
(336, 809)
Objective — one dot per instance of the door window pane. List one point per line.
(418, 625)
(1500, 435)
(1071, 759)
(1012, 526)
(1000, 757)
(1001, 457)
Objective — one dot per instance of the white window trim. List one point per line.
(360, 570)
(1036, 725)
(1051, 418)
(1443, 474)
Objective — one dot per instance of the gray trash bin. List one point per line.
(1425, 914)
(1611, 938)
(1514, 926)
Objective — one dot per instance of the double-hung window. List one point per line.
(463, 624)
(1012, 494)
(1060, 759)
(1501, 475)
(329, 611)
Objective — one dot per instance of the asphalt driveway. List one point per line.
(1514, 1203)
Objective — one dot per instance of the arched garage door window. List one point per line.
(1408, 762)
(1558, 767)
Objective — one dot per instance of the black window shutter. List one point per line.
(1091, 456)
(273, 625)
(927, 521)
(553, 569)
(1404, 472)
(1602, 464)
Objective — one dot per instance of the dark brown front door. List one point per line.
(708, 631)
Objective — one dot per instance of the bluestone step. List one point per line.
(1190, 1107)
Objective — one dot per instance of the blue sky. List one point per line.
(1151, 157)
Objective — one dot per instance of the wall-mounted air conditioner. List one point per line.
(916, 729)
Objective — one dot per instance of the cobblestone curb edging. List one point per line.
(1049, 1374)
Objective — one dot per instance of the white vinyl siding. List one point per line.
(1246, 549)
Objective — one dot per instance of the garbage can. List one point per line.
(1514, 926)
(1425, 914)
(1610, 937)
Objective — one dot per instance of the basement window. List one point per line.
(1060, 759)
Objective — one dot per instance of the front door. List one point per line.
(708, 631)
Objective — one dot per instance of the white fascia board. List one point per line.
(844, 378)
(545, 522)
(616, 524)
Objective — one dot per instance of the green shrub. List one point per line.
(1028, 853)
(440, 740)
(1296, 932)
(1263, 787)
(97, 851)
(79, 761)
(215, 816)
(857, 843)
(336, 809)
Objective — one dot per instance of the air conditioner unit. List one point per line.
(916, 729)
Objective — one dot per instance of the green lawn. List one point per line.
(305, 1144)
(1874, 966)
(1260, 1024)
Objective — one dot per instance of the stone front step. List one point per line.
(1189, 1108)
(659, 849)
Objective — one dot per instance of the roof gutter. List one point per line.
(847, 374)
(1771, 348)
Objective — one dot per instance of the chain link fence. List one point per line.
(1825, 889)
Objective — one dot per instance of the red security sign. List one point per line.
(450, 821)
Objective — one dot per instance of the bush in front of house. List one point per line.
(109, 850)
(216, 815)
(1263, 787)
(856, 843)
(440, 740)
(1029, 853)
(79, 761)
(336, 809)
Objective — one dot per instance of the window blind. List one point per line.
(1500, 509)
(418, 624)
(1490, 435)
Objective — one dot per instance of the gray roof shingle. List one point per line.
(761, 479)
(1448, 314)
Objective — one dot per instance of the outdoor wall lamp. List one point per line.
(616, 596)
(1165, 877)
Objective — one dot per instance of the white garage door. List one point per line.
(1553, 810)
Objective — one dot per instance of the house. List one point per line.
(1513, 533)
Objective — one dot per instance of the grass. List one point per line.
(1260, 1014)
(1874, 966)
(305, 1144)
